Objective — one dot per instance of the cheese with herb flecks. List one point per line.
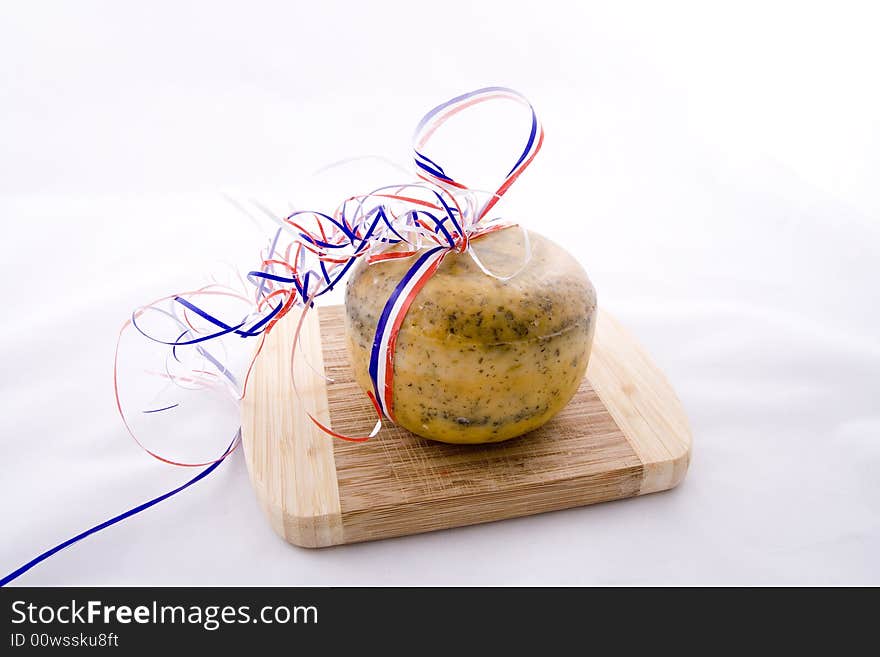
(479, 359)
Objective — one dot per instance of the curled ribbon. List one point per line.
(309, 254)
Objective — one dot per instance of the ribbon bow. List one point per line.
(312, 251)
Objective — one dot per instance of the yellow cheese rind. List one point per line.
(478, 359)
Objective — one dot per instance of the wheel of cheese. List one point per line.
(479, 359)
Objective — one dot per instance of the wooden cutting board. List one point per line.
(623, 434)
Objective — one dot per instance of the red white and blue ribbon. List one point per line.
(430, 171)
(310, 254)
(382, 353)
(466, 228)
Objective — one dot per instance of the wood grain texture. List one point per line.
(642, 403)
(623, 434)
(289, 459)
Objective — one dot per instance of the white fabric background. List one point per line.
(716, 169)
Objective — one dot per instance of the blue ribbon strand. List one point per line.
(15, 574)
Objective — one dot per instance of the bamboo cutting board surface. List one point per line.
(623, 434)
